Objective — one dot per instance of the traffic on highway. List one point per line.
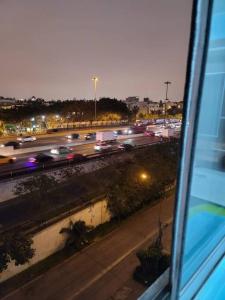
(31, 153)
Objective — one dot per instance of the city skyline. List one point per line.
(129, 49)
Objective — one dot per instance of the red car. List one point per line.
(76, 157)
(149, 133)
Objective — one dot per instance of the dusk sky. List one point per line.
(52, 48)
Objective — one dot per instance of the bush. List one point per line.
(15, 247)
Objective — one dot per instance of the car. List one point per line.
(73, 136)
(126, 147)
(158, 133)
(61, 150)
(28, 138)
(90, 136)
(7, 159)
(149, 133)
(103, 146)
(76, 157)
(118, 132)
(41, 158)
(13, 144)
(128, 131)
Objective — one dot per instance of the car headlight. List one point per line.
(54, 151)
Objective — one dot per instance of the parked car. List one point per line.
(76, 157)
(28, 138)
(61, 150)
(126, 147)
(90, 136)
(73, 136)
(103, 146)
(13, 144)
(41, 158)
(6, 159)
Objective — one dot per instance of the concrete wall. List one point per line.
(49, 240)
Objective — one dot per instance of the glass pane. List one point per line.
(214, 288)
(206, 201)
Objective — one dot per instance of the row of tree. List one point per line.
(131, 184)
(80, 110)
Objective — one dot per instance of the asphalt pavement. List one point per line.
(102, 271)
(80, 146)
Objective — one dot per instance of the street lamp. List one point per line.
(144, 176)
(95, 79)
(167, 83)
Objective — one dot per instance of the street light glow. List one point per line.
(144, 176)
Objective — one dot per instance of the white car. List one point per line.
(27, 138)
(102, 146)
(158, 133)
(61, 150)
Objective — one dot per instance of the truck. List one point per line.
(105, 136)
(159, 131)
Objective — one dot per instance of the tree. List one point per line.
(15, 247)
(36, 187)
(4, 258)
(77, 234)
(152, 260)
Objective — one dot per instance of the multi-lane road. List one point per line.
(45, 143)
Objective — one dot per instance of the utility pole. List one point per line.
(167, 83)
(95, 79)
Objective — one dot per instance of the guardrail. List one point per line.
(63, 163)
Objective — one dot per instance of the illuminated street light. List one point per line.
(95, 79)
(43, 117)
(167, 83)
(143, 176)
(32, 119)
(57, 116)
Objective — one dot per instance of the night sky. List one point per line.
(52, 48)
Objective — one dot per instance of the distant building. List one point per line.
(7, 103)
(132, 101)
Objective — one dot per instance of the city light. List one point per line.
(144, 176)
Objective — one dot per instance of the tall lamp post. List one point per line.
(95, 79)
(167, 83)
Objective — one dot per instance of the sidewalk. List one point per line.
(104, 269)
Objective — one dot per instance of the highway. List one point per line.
(78, 146)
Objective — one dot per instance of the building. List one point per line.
(7, 103)
(198, 252)
(132, 101)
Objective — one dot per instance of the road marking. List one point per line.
(116, 262)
